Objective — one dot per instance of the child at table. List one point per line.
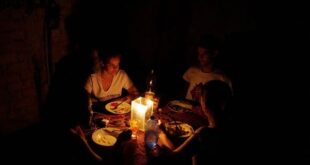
(205, 70)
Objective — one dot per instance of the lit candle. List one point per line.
(141, 111)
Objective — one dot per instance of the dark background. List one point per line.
(265, 52)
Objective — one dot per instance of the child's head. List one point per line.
(207, 48)
(216, 94)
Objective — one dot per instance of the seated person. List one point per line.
(69, 139)
(109, 81)
(196, 76)
(214, 100)
(75, 139)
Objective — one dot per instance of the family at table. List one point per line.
(186, 127)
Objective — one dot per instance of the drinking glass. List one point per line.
(134, 128)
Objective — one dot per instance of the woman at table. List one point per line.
(109, 81)
(215, 103)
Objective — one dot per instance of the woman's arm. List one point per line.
(133, 93)
(165, 141)
(207, 113)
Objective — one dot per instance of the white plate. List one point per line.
(185, 129)
(106, 136)
(121, 109)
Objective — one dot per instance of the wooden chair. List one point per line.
(87, 147)
(184, 148)
(187, 142)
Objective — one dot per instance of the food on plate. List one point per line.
(118, 107)
(105, 137)
(178, 129)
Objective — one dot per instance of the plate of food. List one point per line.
(179, 129)
(118, 107)
(106, 136)
(179, 105)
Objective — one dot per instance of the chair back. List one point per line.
(188, 141)
(86, 147)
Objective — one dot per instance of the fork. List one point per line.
(115, 107)
(177, 126)
(173, 120)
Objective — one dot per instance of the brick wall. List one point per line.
(59, 38)
(154, 32)
(21, 60)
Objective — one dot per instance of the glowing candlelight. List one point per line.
(141, 111)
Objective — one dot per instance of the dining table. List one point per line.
(128, 150)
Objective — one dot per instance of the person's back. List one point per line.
(66, 109)
(217, 96)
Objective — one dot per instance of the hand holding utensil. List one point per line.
(117, 104)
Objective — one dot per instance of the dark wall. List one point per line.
(265, 52)
(160, 34)
(265, 46)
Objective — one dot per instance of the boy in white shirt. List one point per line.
(196, 76)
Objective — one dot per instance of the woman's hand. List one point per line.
(133, 93)
(206, 112)
(163, 140)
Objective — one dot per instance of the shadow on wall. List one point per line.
(101, 21)
(267, 69)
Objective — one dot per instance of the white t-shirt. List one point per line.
(94, 86)
(194, 76)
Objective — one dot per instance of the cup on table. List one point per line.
(149, 95)
(134, 128)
